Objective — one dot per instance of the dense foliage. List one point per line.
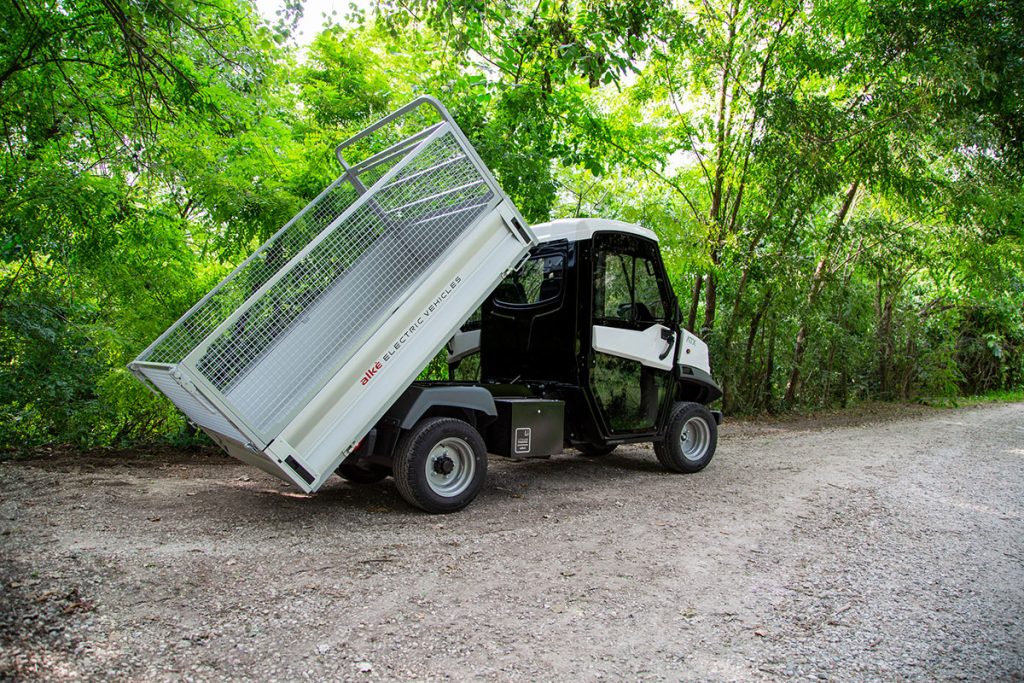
(837, 185)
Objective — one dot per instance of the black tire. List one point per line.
(589, 450)
(366, 473)
(690, 440)
(440, 464)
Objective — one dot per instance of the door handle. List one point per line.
(668, 336)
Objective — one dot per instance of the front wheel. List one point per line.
(690, 440)
(440, 464)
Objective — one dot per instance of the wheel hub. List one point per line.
(694, 439)
(444, 465)
(450, 467)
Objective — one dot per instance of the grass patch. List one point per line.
(1000, 396)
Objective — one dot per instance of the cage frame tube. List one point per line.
(446, 117)
(397, 149)
(386, 120)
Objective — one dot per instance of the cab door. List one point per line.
(633, 336)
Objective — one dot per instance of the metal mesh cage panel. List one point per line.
(191, 330)
(290, 340)
(198, 411)
(259, 268)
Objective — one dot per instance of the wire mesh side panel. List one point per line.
(233, 291)
(199, 412)
(284, 347)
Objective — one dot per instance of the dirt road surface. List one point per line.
(853, 547)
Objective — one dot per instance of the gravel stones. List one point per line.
(880, 545)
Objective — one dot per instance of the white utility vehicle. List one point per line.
(303, 361)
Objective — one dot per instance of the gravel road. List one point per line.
(851, 547)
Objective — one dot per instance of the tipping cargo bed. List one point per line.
(292, 358)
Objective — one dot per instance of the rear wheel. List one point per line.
(440, 464)
(690, 440)
(590, 450)
(366, 473)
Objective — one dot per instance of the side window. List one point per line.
(648, 294)
(538, 280)
(627, 286)
(616, 269)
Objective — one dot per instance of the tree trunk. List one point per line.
(844, 385)
(908, 373)
(798, 357)
(827, 389)
(715, 214)
(769, 371)
(817, 283)
(748, 357)
(884, 344)
(694, 303)
(710, 305)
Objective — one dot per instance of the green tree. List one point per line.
(139, 147)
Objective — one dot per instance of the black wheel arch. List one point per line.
(471, 404)
(696, 386)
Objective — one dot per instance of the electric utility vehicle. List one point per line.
(303, 361)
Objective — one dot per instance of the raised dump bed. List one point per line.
(296, 354)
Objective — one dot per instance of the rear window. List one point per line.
(538, 280)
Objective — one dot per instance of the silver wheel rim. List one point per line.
(694, 439)
(463, 467)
